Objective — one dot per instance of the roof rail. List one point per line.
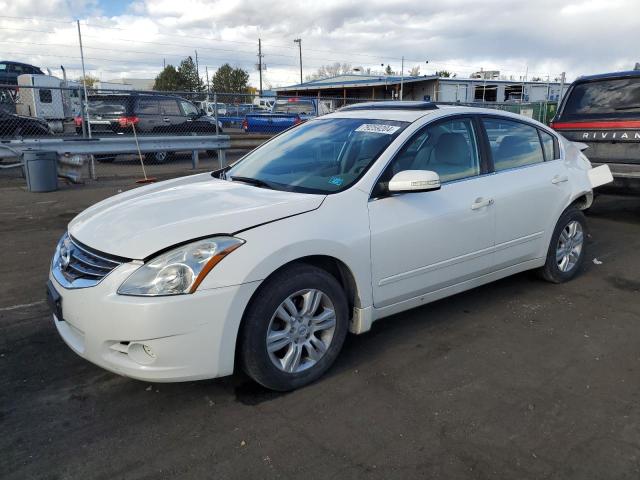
(391, 105)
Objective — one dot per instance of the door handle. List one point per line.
(481, 203)
(166, 119)
(559, 179)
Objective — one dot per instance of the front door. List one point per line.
(426, 241)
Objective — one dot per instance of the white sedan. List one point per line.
(328, 227)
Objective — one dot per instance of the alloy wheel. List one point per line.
(569, 246)
(301, 330)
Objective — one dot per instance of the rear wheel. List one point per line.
(567, 249)
(157, 157)
(294, 328)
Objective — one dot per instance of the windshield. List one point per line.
(604, 98)
(294, 107)
(321, 156)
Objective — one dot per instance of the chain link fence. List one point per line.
(44, 112)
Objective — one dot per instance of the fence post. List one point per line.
(221, 154)
(194, 159)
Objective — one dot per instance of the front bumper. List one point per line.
(159, 339)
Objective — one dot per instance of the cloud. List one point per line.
(542, 37)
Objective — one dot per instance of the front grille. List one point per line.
(81, 266)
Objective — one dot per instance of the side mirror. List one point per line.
(414, 181)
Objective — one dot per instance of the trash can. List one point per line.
(41, 171)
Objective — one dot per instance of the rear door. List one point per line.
(605, 115)
(530, 183)
(148, 113)
(172, 117)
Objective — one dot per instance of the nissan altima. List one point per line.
(324, 229)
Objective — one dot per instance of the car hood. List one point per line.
(138, 223)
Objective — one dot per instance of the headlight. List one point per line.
(62, 249)
(180, 270)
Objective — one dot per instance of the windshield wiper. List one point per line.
(251, 181)
(628, 107)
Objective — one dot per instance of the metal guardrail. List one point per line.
(65, 147)
(116, 145)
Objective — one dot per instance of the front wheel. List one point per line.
(294, 328)
(567, 249)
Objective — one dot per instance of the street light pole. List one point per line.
(299, 42)
(402, 79)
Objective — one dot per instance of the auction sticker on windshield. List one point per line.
(377, 128)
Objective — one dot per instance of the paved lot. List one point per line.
(519, 379)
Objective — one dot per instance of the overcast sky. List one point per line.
(133, 38)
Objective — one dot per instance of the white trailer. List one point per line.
(45, 96)
(109, 87)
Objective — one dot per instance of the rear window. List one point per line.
(107, 106)
(603, 99)
(294, 107)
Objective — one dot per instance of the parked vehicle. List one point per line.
(147, 114)
(284, 114)
(603, 112)
(210, 108)
(336, 223)
(16, 126)
(10, 71)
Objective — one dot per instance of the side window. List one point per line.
(448, 148)
(189, 109)
(148, 106)
(45, 95)
(549, 145)
(513, 144)
(170, 107)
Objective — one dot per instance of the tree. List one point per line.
(444, 74)
(388, 70)
(231, 80)
(415, 71)
(89, 80)
(536, 79)
(191, 81)
(331, 70)
(168, 80)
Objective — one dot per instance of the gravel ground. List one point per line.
(517, 379)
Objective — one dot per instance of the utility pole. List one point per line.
(206, 70)
(562, 79)
(92, 165)
(402, 79)
(526, 74)
(299, 42)
(197, 67)
(260, 63)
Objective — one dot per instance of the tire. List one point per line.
(105, 158)
(266, 313)
(564, 260)
(157, 157)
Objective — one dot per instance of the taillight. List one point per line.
(245, 124)
(297, 121)
(127, 121)
(77, 121)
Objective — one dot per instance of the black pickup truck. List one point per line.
(603, 112)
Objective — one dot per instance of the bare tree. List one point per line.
(415, 71)
(331, 70)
